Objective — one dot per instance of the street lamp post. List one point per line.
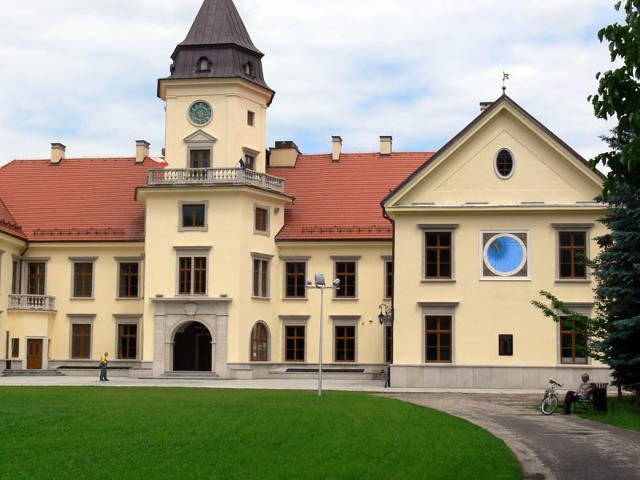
(320, 284)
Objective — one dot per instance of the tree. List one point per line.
(617, 272)
(618, 98)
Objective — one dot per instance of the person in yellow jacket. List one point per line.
(103, 367)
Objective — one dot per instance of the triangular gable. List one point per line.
(462, 172)
(200, 136)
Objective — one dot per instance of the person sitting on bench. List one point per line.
(583, 392)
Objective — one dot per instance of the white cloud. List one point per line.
(84, 73)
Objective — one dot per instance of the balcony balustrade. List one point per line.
(215, 176)
(32, 302)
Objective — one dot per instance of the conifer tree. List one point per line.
(617, 266)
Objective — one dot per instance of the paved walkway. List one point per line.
(548, 447)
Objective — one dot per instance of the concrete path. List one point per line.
(551, 447)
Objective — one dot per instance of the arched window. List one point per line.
(259, 343)
(204, 65)
(248, 69)
(504, 164)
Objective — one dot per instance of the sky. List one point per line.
(84, 73)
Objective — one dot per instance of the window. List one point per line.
(260, 277)
(388, 345)
(388, 279)
(203, 65)
(295, 279)
(15, 347)
(83, 279)
(199, 158)
(345, 347)
(261, 220)
(127, 341)
(505, 345)
(259, 343)
(572, 254)
(35, 278)
(504, 164)
(248, 69)
(251, 118)
(192, 275)
(294, 343)
(16, 277)
(573, 344)
(438, 255)
(193, 216)
(128, 279)
(346, 273)
(81, 340)
(249, 162)
(438, 338)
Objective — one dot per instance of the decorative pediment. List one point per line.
(200, 137)
(504, 156)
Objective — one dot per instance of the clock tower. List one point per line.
(216, 96)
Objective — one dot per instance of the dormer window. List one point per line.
(248, 69)
(204, 65)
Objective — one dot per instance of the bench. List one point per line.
(598, 392)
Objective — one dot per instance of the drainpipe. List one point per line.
(393, 313)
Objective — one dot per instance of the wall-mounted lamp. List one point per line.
(386, 313)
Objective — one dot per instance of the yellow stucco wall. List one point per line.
(230, 100)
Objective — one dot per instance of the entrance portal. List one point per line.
(192, 348)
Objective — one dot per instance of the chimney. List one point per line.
(485, 105)
(284, 154)
(142, 150)
(385, 145)
(57, 153)
(337, 148)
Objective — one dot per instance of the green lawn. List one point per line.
(620, 413)
(121, 433)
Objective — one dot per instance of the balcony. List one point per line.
(32, 302)
(215, 176)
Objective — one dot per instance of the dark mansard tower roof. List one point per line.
(219, 36)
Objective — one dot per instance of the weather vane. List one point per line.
(505, 77)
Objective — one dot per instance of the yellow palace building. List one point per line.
(203, 262)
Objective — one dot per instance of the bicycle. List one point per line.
(550, 400)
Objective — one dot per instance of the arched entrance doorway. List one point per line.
(192, 348)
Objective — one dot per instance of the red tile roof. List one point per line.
(341, 200)
(8, 223)
(77, 199)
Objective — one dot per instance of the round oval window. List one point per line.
(504, 164)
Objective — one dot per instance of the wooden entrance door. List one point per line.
(34, 353)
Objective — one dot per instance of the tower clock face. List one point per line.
(504, 255)
(200, 112)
